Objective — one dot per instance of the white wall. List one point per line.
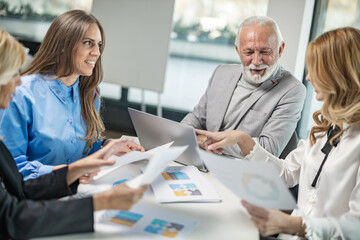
(137, 38)
(294, 19)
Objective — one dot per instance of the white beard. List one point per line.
(257, 78)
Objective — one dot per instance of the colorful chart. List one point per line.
(252, 183)
(186, 189)
(164, 228)
(169, 176)
(126, 218)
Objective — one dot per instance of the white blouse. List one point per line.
(337, 191)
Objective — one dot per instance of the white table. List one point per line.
(219, 221)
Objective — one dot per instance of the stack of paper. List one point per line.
(183, 184)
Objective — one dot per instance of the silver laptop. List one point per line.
(154, 131)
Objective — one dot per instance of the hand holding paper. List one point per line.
(156, 164)
(255, 182)
(130, 158)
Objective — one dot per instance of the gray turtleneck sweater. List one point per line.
(245, 87)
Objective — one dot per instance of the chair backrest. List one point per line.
(292, 144)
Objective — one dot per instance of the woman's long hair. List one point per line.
(55, 56)
(333, 61)
(12, 57)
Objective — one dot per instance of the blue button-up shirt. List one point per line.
(43, 126)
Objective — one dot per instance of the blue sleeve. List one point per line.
(14, 130)
(31, 169)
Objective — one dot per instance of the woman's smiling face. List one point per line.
(88, 51)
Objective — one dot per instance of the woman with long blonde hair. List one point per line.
(54, 118)
(327, 165)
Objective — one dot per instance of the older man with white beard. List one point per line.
(257, 96)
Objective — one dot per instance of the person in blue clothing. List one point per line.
(30, 208)
(54, 118)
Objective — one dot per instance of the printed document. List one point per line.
(130, 157)
(144, 222)
(156, 164)
(258, 183)
(85, 190)
(183, 184)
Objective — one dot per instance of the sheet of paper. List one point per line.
(144, 222)
(258, 183)
(129, 158)
(156, 164)
(183, 184)
(159, 148)
(85, 190)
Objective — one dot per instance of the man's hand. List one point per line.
(217, 140)
(200, 140)
(204, 141)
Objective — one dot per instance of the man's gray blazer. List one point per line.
(270, 114)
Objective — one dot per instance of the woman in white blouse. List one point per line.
(327, 165)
